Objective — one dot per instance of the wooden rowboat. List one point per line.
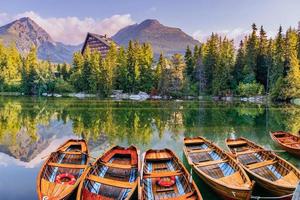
(270, 171)
(62, 171)
(216, 168)
(112, 176)
(287, 141)
(164, 177)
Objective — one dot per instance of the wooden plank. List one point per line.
(193, 141)
(182, 197)
(162, 174)
(238, 142)
(71, 152)
(213, 162)
(199, 150)
(119, 166)
(67, 165)
(106, 181)
(261, 164)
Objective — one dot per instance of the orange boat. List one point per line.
(287, 141)
(62, 171)
(112, 176)
(270, 171)
(217, 169)
(164, 177)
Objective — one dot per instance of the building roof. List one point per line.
(107, 41)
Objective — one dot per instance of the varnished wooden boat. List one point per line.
(270, 171)
(62, 171)
(163, 176)
(216, 168)
(112, 176)
(287, 141)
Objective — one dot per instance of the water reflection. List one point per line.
(31, 128)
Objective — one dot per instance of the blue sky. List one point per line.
(196, 17)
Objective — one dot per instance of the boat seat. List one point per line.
(213, 162)
(193, 141)
(185, 196)
(162, 174)
(290, 179)
(115, 183)
(249, 151)
(73, 166)
(170, 189)
(199, 150)
(261, 164)
(233, 179)
(71, 152)
(236, 143)
(119, 166)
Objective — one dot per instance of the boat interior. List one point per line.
(69, 159)
(163, 165)
(213, 162)
(287, 139)
(113, 176)
(264, 163)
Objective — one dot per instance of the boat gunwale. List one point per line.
(230, 159)
(275, 139)
(99, 159)
(278, 158)
(45, 164)
(195, 190)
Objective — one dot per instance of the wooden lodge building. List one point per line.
(97, 42)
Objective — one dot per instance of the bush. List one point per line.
(250, 89)
(61, 86)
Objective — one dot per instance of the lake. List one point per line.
(31, 128)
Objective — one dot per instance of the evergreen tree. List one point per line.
(121, 71)
(238, 75)
(146, 79)
(251, 56)
(276, 70)
(291, 81)
(29, 72)
(211, 59)
(262, 64)
(177, 74)
(189, 62)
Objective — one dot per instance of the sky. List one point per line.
(68, 21)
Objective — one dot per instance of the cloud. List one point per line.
(72, 30)
(236, 34)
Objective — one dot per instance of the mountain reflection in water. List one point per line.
(31, 128)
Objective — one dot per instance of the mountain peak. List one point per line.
(165, 39)
(24, 32)
(150, 22)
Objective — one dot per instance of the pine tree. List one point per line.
(276, 70)
(177, 72)
(121, 71)
(238, 75)
(251, 56)
(262, 65)
(199, 72)
(291, 81)
(211, 59)
(189, 62)
(146, 72)
(29, 72)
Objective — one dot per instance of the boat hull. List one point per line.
(225, 192)
(291, 150)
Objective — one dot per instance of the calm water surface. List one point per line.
(31, 128)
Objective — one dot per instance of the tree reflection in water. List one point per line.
(141, 123)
